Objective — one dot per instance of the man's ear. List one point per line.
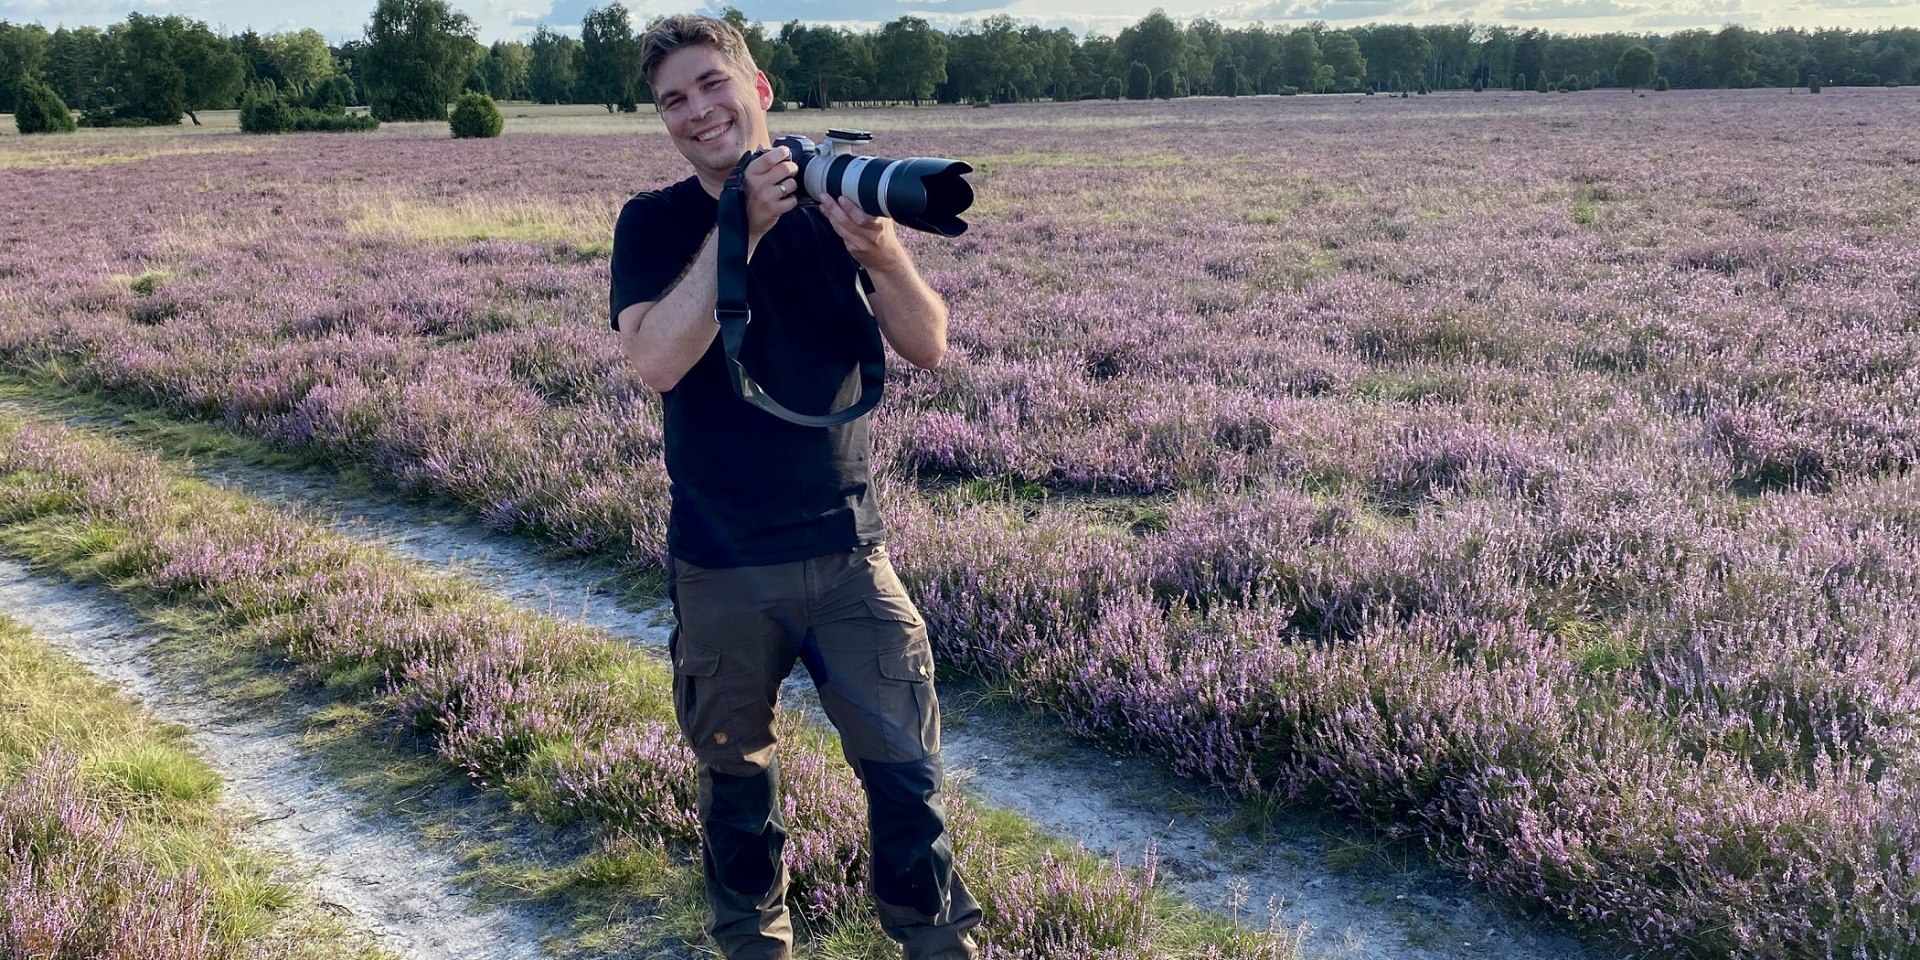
(763, 87)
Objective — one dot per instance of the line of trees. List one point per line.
(1000, 60)
(417, 55)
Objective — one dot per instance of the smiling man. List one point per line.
(776, 545)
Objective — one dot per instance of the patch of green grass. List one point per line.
(1350, 854)
(1258, 818)
(146, 283)
(1002, 489)
(149, 772)
(1604, 652)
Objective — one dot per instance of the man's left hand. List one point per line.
(871, 240)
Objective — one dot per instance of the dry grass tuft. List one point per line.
(521, 220)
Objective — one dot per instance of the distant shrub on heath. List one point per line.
(266, 110)
(1660, 83)
(331, 97)
(475, 115)
(1113, 89)
(1164, 85)
(1813, 85)
(40, 110)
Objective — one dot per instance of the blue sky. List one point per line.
(513, 19)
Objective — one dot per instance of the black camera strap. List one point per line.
(730, 311)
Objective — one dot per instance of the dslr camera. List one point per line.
(925, 193)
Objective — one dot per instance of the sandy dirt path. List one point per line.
(372, 870)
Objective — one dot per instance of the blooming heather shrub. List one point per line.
(70, 887)
(638, 781)
(1058, 909)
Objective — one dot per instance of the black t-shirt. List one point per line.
(749, 488)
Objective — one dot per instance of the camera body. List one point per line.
(925, 193)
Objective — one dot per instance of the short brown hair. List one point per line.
(692, 30)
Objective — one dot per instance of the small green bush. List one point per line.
(1165, 86)
(1113, 89)
(1813, 84)
(305, 121)
(266, 110)
(1660, 83)
(37, 109)
(475, 115)
(330, 97)
(105, 117)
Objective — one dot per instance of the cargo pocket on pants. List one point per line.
(906, 683)
(692, 669)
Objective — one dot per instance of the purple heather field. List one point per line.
(1528, 475)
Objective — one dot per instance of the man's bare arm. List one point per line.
(664, 338)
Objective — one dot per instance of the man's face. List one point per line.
(714, 109)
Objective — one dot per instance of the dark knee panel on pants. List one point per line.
(745, 831)
(912, 858)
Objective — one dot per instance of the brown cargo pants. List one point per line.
(847, 617)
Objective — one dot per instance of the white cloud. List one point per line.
(1569, 9)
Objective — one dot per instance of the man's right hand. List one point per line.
(771, 191)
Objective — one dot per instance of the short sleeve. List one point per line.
(653, 241)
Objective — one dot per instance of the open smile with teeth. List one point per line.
(715, 132)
